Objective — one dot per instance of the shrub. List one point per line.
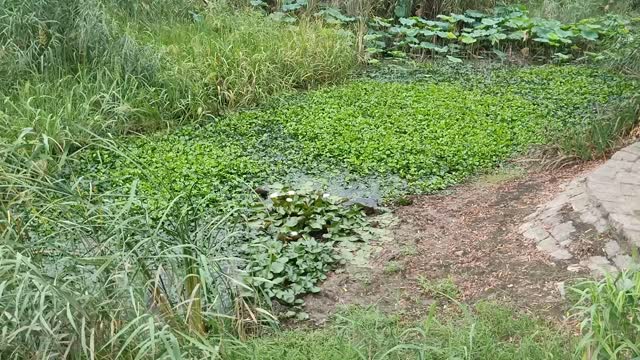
(297, 233)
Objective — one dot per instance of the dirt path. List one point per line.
(467, 236)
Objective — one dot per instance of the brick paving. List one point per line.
(595, 222)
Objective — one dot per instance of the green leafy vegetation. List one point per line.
(153, 246)
(445, 288)
(292, 248)
(504, 31)
(574, 10)
(430, 134)
(104, 281)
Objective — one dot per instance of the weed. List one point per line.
(292, 248)
(574, 10)
(441, 288)
(115, 68)
(502, 174)
(402, 201)
(409, 250)
(597, 138)
(85, 276)
(393, 267)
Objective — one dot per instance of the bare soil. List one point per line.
(468, 235)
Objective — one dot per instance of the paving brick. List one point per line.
(624, 262)
(599, 265)
(561, 254)
(562, 232)
(629, 189)
(633, 237)
(608, 197)
(580, 202)
(612, 248)
(536, 233)
(548, 245)
(635, 148)
(628, 177)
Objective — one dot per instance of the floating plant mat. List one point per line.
(365, 138)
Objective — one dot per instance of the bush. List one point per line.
(294, 246)
(505, 31)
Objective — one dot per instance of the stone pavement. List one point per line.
(595, 222)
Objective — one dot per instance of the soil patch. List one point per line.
(467, 236)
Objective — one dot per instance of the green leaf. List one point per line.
(464, 19)
(446, 35)
(454, 60)
(450, 19)
(516, 35)
(467, 39)
(403, 8)
(490, 22)
(407, 21)
(277, 267)
(474, 14)
(589, 35)
(541, 40)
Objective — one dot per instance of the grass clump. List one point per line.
(485, 332)
(445, 288)
(429, 134)
(610, 318)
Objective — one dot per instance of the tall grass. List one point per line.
(425, 8)
(565, 10)
(623, 54)
(597, 138)
(610, 317)
(83, 275)
(118, 67)
(574, 10)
